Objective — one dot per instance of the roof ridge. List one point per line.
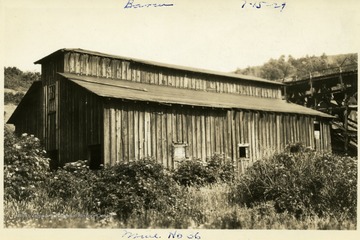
(165, 65)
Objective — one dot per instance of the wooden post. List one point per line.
(346, 133)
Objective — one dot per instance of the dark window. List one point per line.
(95, 158)
(317, 129)
(52, 92)
(243, 151)
(316, 125)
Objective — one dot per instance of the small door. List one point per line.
(54, 156)
(94, 156)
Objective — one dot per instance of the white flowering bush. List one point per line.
(25, 165)
(73, 181)
(302, 182)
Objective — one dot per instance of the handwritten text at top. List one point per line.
(132, 4)
(261, 4)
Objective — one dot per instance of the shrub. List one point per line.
(25, 165)
(135, 188)
(13, 98)
(220, 169)
(191, 173)
(198, 173)
(74, 181)
(302, 182)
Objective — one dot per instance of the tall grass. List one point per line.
(203, 208)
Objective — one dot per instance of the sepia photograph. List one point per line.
(179, 119)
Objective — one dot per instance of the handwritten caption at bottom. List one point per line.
(171, 235)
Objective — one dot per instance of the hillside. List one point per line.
(16, 84)
(289, 67)
(18, 80)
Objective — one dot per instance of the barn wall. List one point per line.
(50, 84)
(134, 131)
(137, 130)
(80, 122)
(92, 65)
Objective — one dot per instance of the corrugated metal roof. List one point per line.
(129, 90)
(164, 65)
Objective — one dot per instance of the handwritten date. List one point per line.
(264, 4)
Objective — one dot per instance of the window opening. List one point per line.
(243, 150)
(179, 151)
(52, 92)
(317, 129)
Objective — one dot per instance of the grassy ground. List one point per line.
(202, 208)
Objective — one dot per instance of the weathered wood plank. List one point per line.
(141, 133)
(124, 133)
(203, 139)
(207, 135)
(193, 131)
(154, 132)
(169, 139)
(106, 146)
(147, 134)
(119, 145)
(159, 137)
(113, 131)
(198, 136)
(164, 140)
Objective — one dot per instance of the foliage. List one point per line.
(19, 80)
(44, 212)
(302, 182)
(13, 98)
(290, 67)
(25, 165)
(296, 189)
(73, 182)
(133, 187)
(200, 173)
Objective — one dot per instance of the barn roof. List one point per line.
(123, 89)
(25, 101)
(163, 65)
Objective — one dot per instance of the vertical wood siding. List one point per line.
(136, 130)
(81, 120)
(92, 65)
(51, 124)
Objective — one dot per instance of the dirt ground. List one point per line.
(8, 110)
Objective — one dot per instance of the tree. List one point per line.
(277, 69)
(19, 80)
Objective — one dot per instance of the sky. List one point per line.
(208, 34)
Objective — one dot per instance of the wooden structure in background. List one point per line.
(110, 109)
(333, 91)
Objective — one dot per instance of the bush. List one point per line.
(73, 181)
(302, 182)
(198, 173)
(13, 98)
(25, 165)
(135, 188)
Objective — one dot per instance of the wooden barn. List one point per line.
(109, 109)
